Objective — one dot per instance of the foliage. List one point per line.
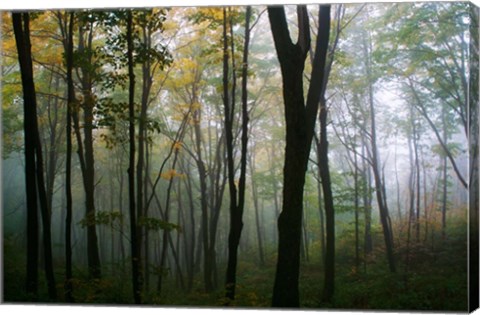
(102, 218)
(155, 224)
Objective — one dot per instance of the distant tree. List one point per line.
(374, 156)
(431, 60)
(474, 103)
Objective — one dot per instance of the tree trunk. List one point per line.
(236, 207)
(474, 152)
(367, 203)
(329, 283)
(379, 185)
(36, 171)
(300, 122)
(321, 212)
(136, 285)
(357, 210)
(444, 179)
(207, 265)
(86, 156)
(22, 34)
(68, 170)
(141, 210)
(258, 225)
(415, 137)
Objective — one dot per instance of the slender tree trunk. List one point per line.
(207, 264)
(321, 211)
(120, 173)
(474, 152)
(329, 284)
(52, 157)
(86, 156)
(236, 208)
(357, 211)
(275, 188)
(367, 203)
(411, 192)
(68, 170)
(190, 239)
(261, 254)
(136, 285)
(305, 240)
(141, 210)
(166, 239)
(379, 185)
(46, 215)
(444, 179)
(415, 136)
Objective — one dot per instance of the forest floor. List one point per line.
(436, 279)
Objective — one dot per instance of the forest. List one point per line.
(297, 156)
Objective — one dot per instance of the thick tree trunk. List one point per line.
(33, 154)
(300, 123)
(21, 30)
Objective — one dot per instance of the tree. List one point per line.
(375, 158)
(34, 169)
(432, 62)
(236, 205)
(300, 123)
(131, 167)
(474, 152)
(68, 165)
(88, 74)
(22, 37)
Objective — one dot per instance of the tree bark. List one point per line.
(329, 283)
(68, 166)
(86, 155)
(21, 30)
(33, 154)
(135, 260)
(300, 122)
(236, 207)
